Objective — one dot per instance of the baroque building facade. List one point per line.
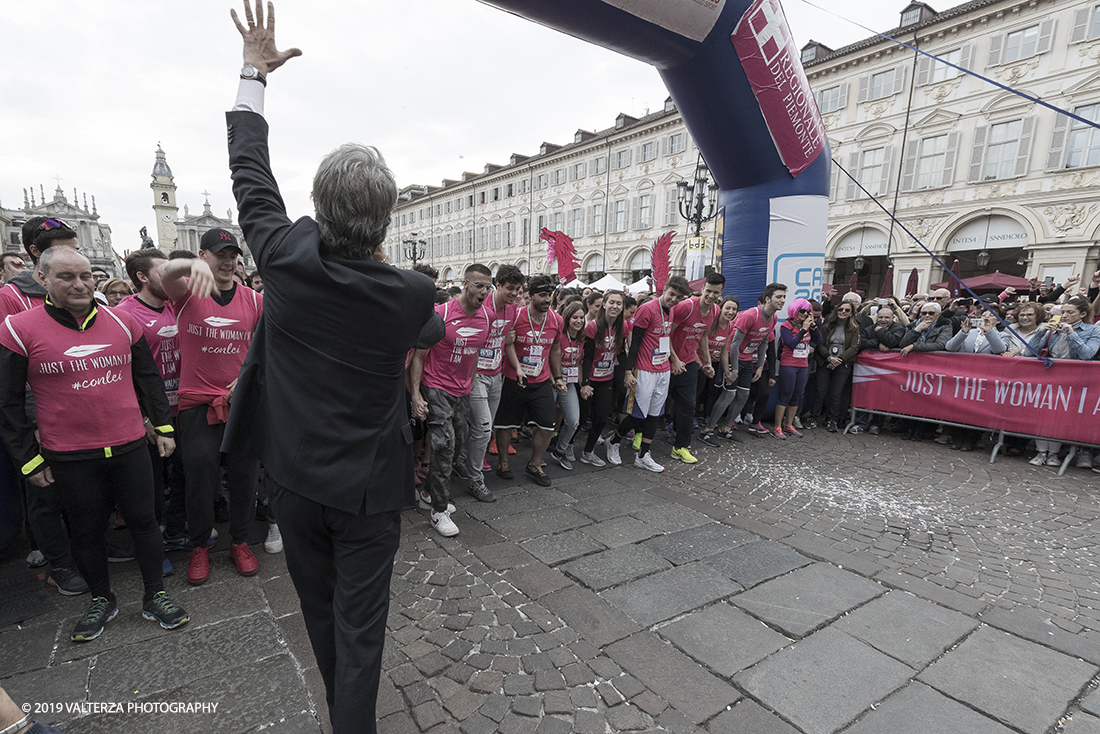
(175, 232)
(93, 235)
(612, 191)
(975, 172)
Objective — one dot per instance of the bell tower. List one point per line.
(164, 203)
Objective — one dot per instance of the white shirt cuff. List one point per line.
(250, 97)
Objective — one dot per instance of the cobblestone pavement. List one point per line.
(857, 583)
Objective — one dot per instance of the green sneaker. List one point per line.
(162, 609)
(101, 611)
(637, 443)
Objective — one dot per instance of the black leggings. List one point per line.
(602, 394)
(89, 490)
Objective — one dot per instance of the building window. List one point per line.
(496, 193)
(672, 206)
(622, 159)
(882, 84)
(1000, 154)
(558, 177)
(909, 17)
(540, 182)
(447, 207)
(833, 98)
(402, 219)
(1083, 148)
(509, 234)
(676, 144)
(541, 225)
(526, 226)
(576, 227)
(599, 165)
(597, 219)
(509, 190)
(943, 72)
(578, 171)
(1021, 44)
(933, 155)
(1086, 24)
(645, 211)
(523, 184)
(438, 210)
(873, 170)
(470, 201)
(496, 236)
(458, 204)
(808, 54)
(648, 152)
(557, 222)
(618, 216)
(481, 197)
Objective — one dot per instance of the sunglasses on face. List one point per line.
(929, 313)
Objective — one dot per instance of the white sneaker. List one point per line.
(1053, 460)
(797, 423)
(647, 462)
(569, 453)
(213, 533)
(1039, 459)
(443, 524)
(1084, 459)
(274, 542)
(591, 458)
(424, 501)
(613, 454)
(36, 559)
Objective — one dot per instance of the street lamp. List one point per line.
(414, 248)
(698, 195)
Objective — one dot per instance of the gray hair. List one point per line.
(931, 304)
(50, 253)
(353, 195)
(852, 296)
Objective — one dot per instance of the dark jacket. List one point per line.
(933, 339)
(321, 397)
(851, 344)
(889, 338)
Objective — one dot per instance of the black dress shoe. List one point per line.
(504, 473)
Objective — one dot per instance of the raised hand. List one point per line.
(259, 40)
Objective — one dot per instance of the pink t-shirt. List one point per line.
(490, 359)
(161, 333)
(450, 364)
(653, 355)
(571, 352)
(756, 329)
(82, 381)
(800, 355)
(721, 340)
(691, 325)
(214, 339)
(13, 301)
(603, 359)
(533, 345)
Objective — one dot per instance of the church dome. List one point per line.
(160, 168)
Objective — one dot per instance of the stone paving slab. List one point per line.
(1031, 689)
(536, 579)
(29, 648)
(724, 638)
(907, 628)
(527, 525)
(1082, 723)
(1036, 625)
(754, 563)
(825, 681)
(626, 502)
(671, 517)
(590, 616)
(616, 566)
(749, 717)
(514, 504)
(63, 684)
(555, 549)
(669, 593)
(804, 600)
(619, 531)
(918, 709)
(696, 543)
(673, 676)
(1091, 702)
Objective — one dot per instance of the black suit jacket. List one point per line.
(321, 398)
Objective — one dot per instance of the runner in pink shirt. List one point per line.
(94, 376)
(691, 321)
(647, 373)
(532, 374)
(214, 336)
(442, 378)
(571, 343)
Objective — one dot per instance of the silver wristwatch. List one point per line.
(248, 71)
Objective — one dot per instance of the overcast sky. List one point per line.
(440, 86)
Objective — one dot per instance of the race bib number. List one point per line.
(659, 357)
(531, 366)
(535, 350)
(572, 375)
(802, 351)
(488, 359)
(602, 368)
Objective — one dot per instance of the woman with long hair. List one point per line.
(572, 345)
(719, 338)
(799, 336)
(606, 336)
(835, 355)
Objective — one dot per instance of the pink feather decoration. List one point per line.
(661, 260)
(559, 246)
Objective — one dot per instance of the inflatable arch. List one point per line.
(736, 76)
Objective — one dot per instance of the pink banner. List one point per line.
(1013, 394)
(774, 68)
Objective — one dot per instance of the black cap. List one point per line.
(216, 240)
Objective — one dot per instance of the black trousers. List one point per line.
(830, 390)
(168, 476)
(340, 564)
(45, 524)
(602, 394)
(89, 490)
(683, 388)
(202, 446)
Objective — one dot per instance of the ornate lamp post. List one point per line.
(414, 248)
(698, 198)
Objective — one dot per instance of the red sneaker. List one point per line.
(493, 446)
(511, 450)
(198, 568)
(486, 466)
(242, 556)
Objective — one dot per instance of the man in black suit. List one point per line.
(321, 397)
